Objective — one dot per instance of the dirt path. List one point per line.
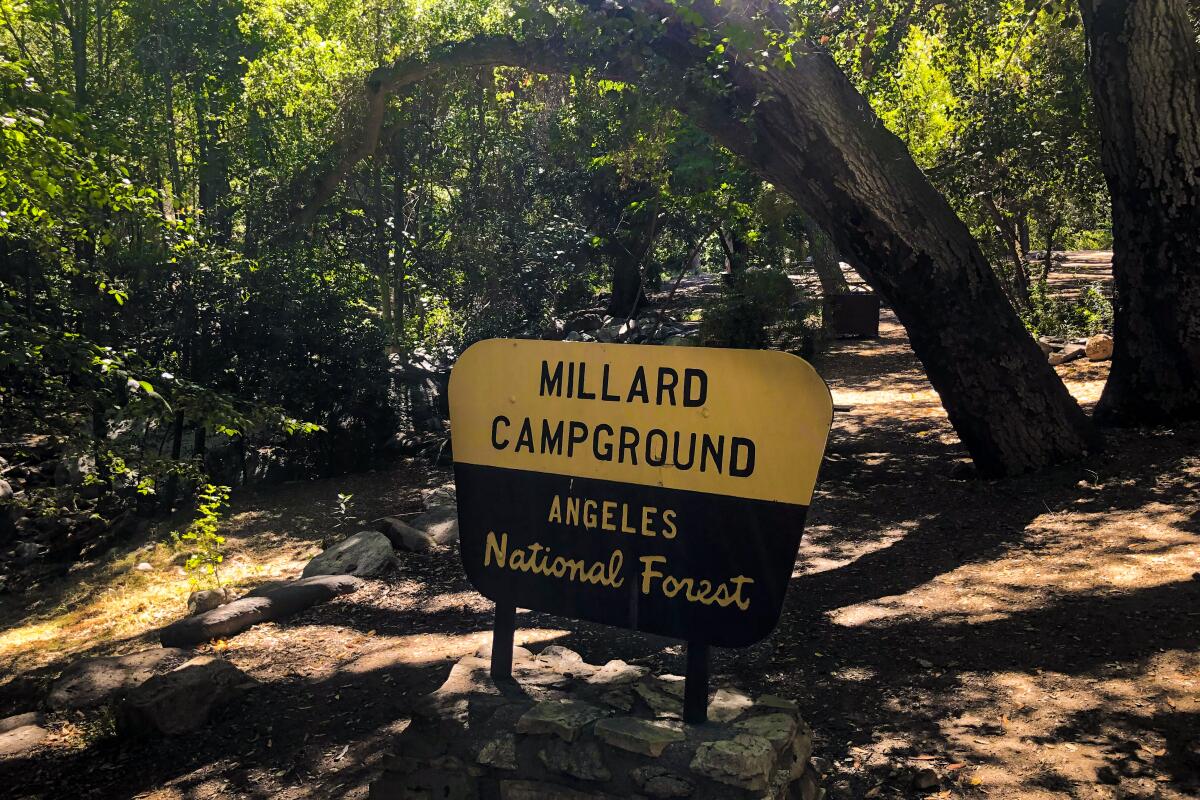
(1033, 638)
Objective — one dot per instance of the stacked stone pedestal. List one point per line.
(567, 729)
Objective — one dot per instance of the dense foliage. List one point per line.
(158, 312)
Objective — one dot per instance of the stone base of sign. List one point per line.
(566, 729)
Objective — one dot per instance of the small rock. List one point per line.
(500, 752)
(404, 537)
(573, 336)
(637, 735)
(519, 653)
(728, 704)
(585, 323)
(1099, 347)
(440, 523)
(1046, 347)
(144, 566)
(616, 673)
(6, 490)
(563, 718)
(926, 779)
(439, 496)
(207, 599)
(609, 334)
(620, 698)
(663, 695)
(580, 760)
(779, 729)
(658, 781)
(565, 661)
(366, 554)
(554, 331)
(744, 761)
(27, 552)
(181, 701)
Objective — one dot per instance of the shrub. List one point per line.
(759, 309)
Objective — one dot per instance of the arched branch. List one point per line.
(800, 123)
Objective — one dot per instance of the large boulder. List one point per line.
(1099, 347)
(181, 701)
(367, 554)
(440, 523)
(404, 537)
(265, 604)
(94, 681)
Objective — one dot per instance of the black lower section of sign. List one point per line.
(701, 567)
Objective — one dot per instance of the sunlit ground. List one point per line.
(111, 604)
(1035, 726)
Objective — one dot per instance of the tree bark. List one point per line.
(628, 290)
(1144, 64)
(827, 262)
(805, 128)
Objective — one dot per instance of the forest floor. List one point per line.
(1034, 638)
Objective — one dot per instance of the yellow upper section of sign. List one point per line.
(742, 423)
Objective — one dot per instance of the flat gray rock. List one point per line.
(94, 681)
(22, 739)
(367, 554)
(266, 604)
(637, 735)
(563, 718)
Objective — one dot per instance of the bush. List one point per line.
(1089, 314)
(759, 309)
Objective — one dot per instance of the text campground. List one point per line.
(624, 444)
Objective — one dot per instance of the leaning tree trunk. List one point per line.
(805, 128)
(1145, 71)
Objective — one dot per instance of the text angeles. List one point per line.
(625, 444)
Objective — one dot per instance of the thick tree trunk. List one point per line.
(628, 289)
(806, 129)
(1145, 70)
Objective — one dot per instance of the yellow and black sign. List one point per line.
(661, 489)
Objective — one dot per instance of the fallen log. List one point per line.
(267, 604)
